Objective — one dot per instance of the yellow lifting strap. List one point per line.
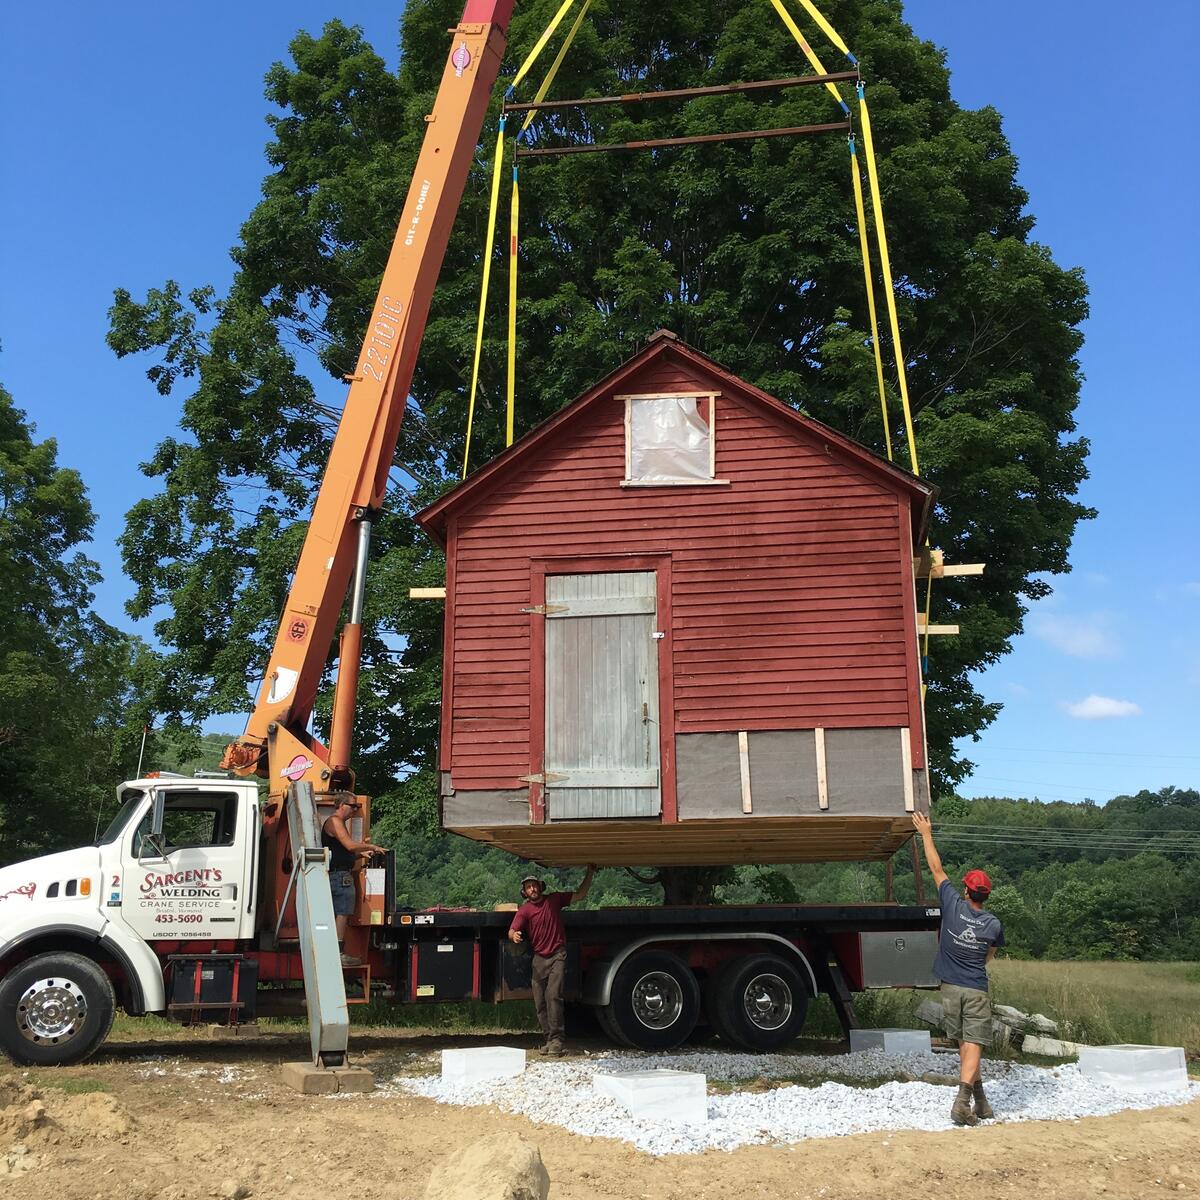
(497, 168)
(511, 389)
(490, 240)
(809, 53)
(829, 31)
(513, 227)
(865, 246)
(886, 267)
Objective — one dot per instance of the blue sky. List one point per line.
(131, 153)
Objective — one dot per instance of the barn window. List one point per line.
(669, 440)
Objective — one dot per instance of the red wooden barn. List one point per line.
(681, 628)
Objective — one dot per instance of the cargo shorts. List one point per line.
(967, 1014)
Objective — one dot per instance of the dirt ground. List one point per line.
(179, 1118)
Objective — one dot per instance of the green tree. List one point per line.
(69, 683)
(747, 250)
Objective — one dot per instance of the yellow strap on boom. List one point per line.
(809, 53)
(513, 226)
(558, 62)
(829, 31)
(886, 267)
(540, 44)
(511, 401)
(497, 167)
(865, 246)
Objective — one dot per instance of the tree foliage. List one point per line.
(747, 250)
(70, 722)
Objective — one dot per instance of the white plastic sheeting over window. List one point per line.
(670, 439)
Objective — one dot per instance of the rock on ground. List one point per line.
(503, 1166)
(1050, 1047)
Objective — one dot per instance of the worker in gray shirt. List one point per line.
(967, 942)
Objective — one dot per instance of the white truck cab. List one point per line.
(83, 929)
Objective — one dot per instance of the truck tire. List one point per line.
(55, 1009)
(758, 1002)
(655, 1001)
(609, 1027)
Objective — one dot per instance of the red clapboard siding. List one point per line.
(789, 602)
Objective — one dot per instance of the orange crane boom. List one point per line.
(334, 556)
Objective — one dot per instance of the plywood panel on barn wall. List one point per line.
(789, 607)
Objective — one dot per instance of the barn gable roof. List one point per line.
(662, 344)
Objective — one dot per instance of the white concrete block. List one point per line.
(680, 1097)
(1135, 1068)
(891, 1041)
(482, 1062)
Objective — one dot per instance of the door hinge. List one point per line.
(546, 609)
(544, 777)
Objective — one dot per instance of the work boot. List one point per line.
(983, 1110)
(544, 1049)
(961, 1113)
(554, 1048)
(348, 960)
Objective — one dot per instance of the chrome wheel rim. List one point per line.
(767, 1000)
(657, 1000)
(51, 1011)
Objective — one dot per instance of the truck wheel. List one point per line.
(655, 1001)
(759, 1002)
(609, 1026)
(55, 1009)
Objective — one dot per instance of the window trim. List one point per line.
(712, 479)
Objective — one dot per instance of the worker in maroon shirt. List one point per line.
(541, 916)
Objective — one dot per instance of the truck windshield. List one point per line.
(132, 802)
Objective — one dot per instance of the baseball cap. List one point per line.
(977, 881)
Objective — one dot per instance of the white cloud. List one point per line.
(1019, 689)
(1089, 635)
(1192, 588)
(1095, 708)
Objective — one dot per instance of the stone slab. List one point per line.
(1137, 1069)
(354, 1079)
(1049, 1047)
(309, 1080)
(477, 1063)
(931, 1012)
(891, 1041)
(678, 1097)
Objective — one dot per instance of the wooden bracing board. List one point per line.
(699, 843)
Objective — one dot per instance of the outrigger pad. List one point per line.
(326, 1081)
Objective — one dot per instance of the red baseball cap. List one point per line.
(977, 881)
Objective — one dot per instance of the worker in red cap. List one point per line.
(967, 942)
(541, 917)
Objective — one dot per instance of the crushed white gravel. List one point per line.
(561, 1093)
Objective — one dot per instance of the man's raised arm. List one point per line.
(586, 886)
(925, 828)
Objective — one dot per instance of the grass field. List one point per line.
(1154, 1003)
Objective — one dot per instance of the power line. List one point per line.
(1088, 753)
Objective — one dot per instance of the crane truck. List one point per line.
(207, 899)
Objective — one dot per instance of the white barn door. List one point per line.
(602, 725)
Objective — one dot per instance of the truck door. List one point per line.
(187, 865)
(602, 731)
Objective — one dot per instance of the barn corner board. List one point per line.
(681, 628)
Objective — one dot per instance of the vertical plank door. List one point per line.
(602, 696)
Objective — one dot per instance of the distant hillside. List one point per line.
(1096, 881)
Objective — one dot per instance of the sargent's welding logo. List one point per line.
(196, 883)
(461, 58)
